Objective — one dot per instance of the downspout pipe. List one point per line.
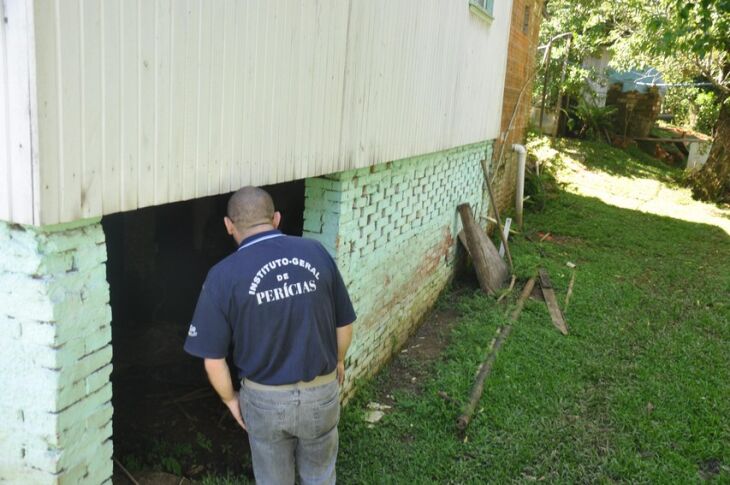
(520, 190)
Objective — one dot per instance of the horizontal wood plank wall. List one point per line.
(153, 101)
(17, 190)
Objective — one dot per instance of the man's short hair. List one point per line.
(250, 206)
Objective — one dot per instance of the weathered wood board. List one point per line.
(552, 303)
(490, 268)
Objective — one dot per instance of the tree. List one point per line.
(685, 40)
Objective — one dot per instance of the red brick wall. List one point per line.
(520, 65)
(636, 112)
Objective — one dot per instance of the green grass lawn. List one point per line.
(640, 389)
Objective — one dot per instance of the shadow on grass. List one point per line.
(629, 231)
(631, 162)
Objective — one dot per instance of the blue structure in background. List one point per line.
(637, 80)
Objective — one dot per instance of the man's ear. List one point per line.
(230, 227)
(276, 220)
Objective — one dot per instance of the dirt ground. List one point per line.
(409, 369)
(166, 415)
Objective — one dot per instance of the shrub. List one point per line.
(540, 184)
(590, 120)
(693, 108)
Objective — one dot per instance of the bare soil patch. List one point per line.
(408, 370)
(167, 417)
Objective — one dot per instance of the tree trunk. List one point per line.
(712, 181)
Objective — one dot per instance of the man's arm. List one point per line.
(344, 337)
(220, 378)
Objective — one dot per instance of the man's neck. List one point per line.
(252, 231)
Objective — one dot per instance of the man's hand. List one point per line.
(340, 371)
(235, 409)
(344, 337)
(220, 378)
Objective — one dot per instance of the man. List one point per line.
(281, 303)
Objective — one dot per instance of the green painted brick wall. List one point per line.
(55, 355)
(393, 230)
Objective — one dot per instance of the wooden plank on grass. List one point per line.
(552, 303)
(486, 368)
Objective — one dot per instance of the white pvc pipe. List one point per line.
(520, 191)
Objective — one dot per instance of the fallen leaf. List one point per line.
(374, 416)
(377, 406)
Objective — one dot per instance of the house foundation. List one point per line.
(55, 335)
(392, 229)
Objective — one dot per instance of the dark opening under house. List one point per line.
(166, 415)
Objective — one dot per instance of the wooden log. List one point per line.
(462, 238)
(569, 293)
(552, 302)
(522, 299)
(126, 472)
(478, 388)
(509, 289)
(490, 268)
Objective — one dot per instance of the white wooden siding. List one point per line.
(153, 101)
(17, 166)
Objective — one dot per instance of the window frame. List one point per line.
(526, 15)
(483, 9)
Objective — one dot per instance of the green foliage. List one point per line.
(694, 27)
(162, 456)
(204, 442)
(573, 84)
(225, 480)
(693, 108)
(708, 109)
(590, 22)
(170, 464)
(540, 187)
(679, 104)
(133, 464)
(170, 456)
(685, 41)
(594, 121)
(540, 183)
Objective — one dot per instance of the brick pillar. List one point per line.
(55, 355)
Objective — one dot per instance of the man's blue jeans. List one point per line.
(292, 427)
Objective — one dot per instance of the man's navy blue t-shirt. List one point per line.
(278, 299)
